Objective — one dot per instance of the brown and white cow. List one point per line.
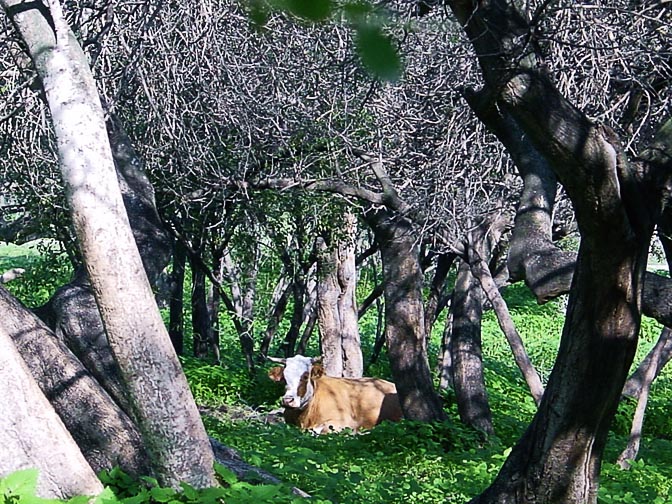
(322, 404)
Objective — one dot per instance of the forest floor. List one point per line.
(419, 463)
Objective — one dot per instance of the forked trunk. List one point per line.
(337, 306)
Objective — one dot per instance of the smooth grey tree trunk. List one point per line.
(33, 436)
(106, 435)
(159, 394)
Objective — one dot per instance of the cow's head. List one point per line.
(299, 374)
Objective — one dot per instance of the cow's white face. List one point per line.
(299, 388)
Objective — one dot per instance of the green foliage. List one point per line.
(122, 489)
(47, 269)
(20, 488)
(378, 54)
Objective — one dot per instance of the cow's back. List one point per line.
(374, 400)
(351, 403)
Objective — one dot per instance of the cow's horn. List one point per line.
(279, 360)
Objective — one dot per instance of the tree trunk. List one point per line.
(278, 306)
(243, 282)
(299, 288)
(176, 321)
(434, 304)
(32, 435)
(337, 306)
(158, 391)
(558, 458)
(657, 359)
(106, 435)
(200, 315)
(445, 358)
(465, 352)
(482, 273)
(404, 317)
(213, 299)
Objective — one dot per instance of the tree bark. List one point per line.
(33, 436)
(164, 409)
(482, 273)
(278, 306)
(105, 434)
(465, 353)
(657, 359)
(629, 453)
(445, 358)
(176, 320)
(200, 315)
(404, 317)
(558, 458)
(243, 281)
(434, 304)
(337, 306)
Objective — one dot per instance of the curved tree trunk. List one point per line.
(106, 435)
(404, 317)
(159, 394)
(632, 448)
(558, 458)
(657, 359)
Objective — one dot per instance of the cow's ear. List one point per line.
(275, 373)
(316, 371)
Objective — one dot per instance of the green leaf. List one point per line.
(23, 482)
(226, 475)
(313, 10)
(106, 497)
(189, 491)
(377, 53)
(258, 13)
(140, 498)
(162, 494)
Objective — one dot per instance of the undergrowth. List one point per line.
(406, 462)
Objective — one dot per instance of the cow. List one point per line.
(322, 404)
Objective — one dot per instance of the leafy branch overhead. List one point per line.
(376, 48)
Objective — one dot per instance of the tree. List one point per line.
(32, 428)
(337, 305)
(159, 394)
(617, 202)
